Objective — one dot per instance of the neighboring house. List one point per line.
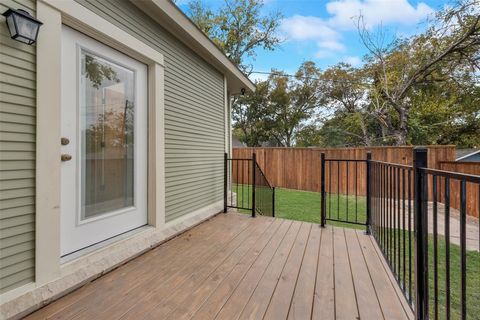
(236, 143)
(468, 155)
(271, 143)
(113, 129)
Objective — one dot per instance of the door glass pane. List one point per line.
(107, 96)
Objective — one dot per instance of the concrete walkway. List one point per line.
(472, 228)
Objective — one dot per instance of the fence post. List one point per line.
(369, 190)
(273, 201)
(254, 162)
(225, 183)
(421, 233)
(323, 194)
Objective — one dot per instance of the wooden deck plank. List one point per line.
(236, 267)
(302, 301)
(216, 301)
(119, 296)
(157, 306)
(167, 280)
(345, 299)
(165, 252)
(198, 297)
(389, 302)
(324, 299)
(241, 296)
(406, 306)
(368, 305)
(282, 297)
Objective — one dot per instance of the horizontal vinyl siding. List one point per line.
(17, 155)
(194, 111)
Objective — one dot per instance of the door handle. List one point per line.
(64, 141)
(66, 157)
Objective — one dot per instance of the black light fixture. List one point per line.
(22, 26)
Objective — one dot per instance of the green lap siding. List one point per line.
(17, 155)
(194, 111)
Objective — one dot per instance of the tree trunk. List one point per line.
(402, 132)
(366, 138)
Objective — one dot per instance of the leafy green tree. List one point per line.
(249, 115)
(293, 101)
(309, 136)
(238, 28)
(345, 90)
(279, 108)
(449, 48)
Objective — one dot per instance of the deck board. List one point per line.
(302, 301)
(237, 267)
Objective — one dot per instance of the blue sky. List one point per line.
(323, 30)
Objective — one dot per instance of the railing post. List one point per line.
(323, 194)
(369, 192)
(273, 201)
(420, 233)
(225, 183)
(254, 162)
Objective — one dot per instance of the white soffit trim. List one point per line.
(169, 16)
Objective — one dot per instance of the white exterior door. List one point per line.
(104, 144)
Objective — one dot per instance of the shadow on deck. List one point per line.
(237, 267)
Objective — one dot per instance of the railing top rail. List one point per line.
(453, 175)
(260, 170)
(396, 165)
(239, 159)
(347, 160)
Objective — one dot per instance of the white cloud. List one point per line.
(300, 27)
(308, 28)
(353, 60)
(376, 12)
(326, 33)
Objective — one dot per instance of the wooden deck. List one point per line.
(235, 267)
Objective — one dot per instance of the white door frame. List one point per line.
(78, 233)
(54, 13)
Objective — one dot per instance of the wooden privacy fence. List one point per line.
(473, 190)
(300, 168)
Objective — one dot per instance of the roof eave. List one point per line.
(468, 155)
(170, 17)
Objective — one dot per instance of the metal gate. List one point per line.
(345, 190)
(247, 188)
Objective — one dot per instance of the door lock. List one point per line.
(66, 157)
(64, 141)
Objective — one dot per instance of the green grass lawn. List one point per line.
(305, 206)
(473, 276)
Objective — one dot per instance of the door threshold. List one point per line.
(100, 245)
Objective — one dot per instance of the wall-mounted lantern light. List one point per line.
(22, 26)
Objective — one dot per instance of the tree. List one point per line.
(238, 28)
(345, 90)
(293, 101)
(449, 48)
(249, 114)
(279, 108)
(446, 112)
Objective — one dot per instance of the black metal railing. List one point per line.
(264, 193)
(247, 188)
(345, 190)
(238, 180)
(392, 219)
(423, 237)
